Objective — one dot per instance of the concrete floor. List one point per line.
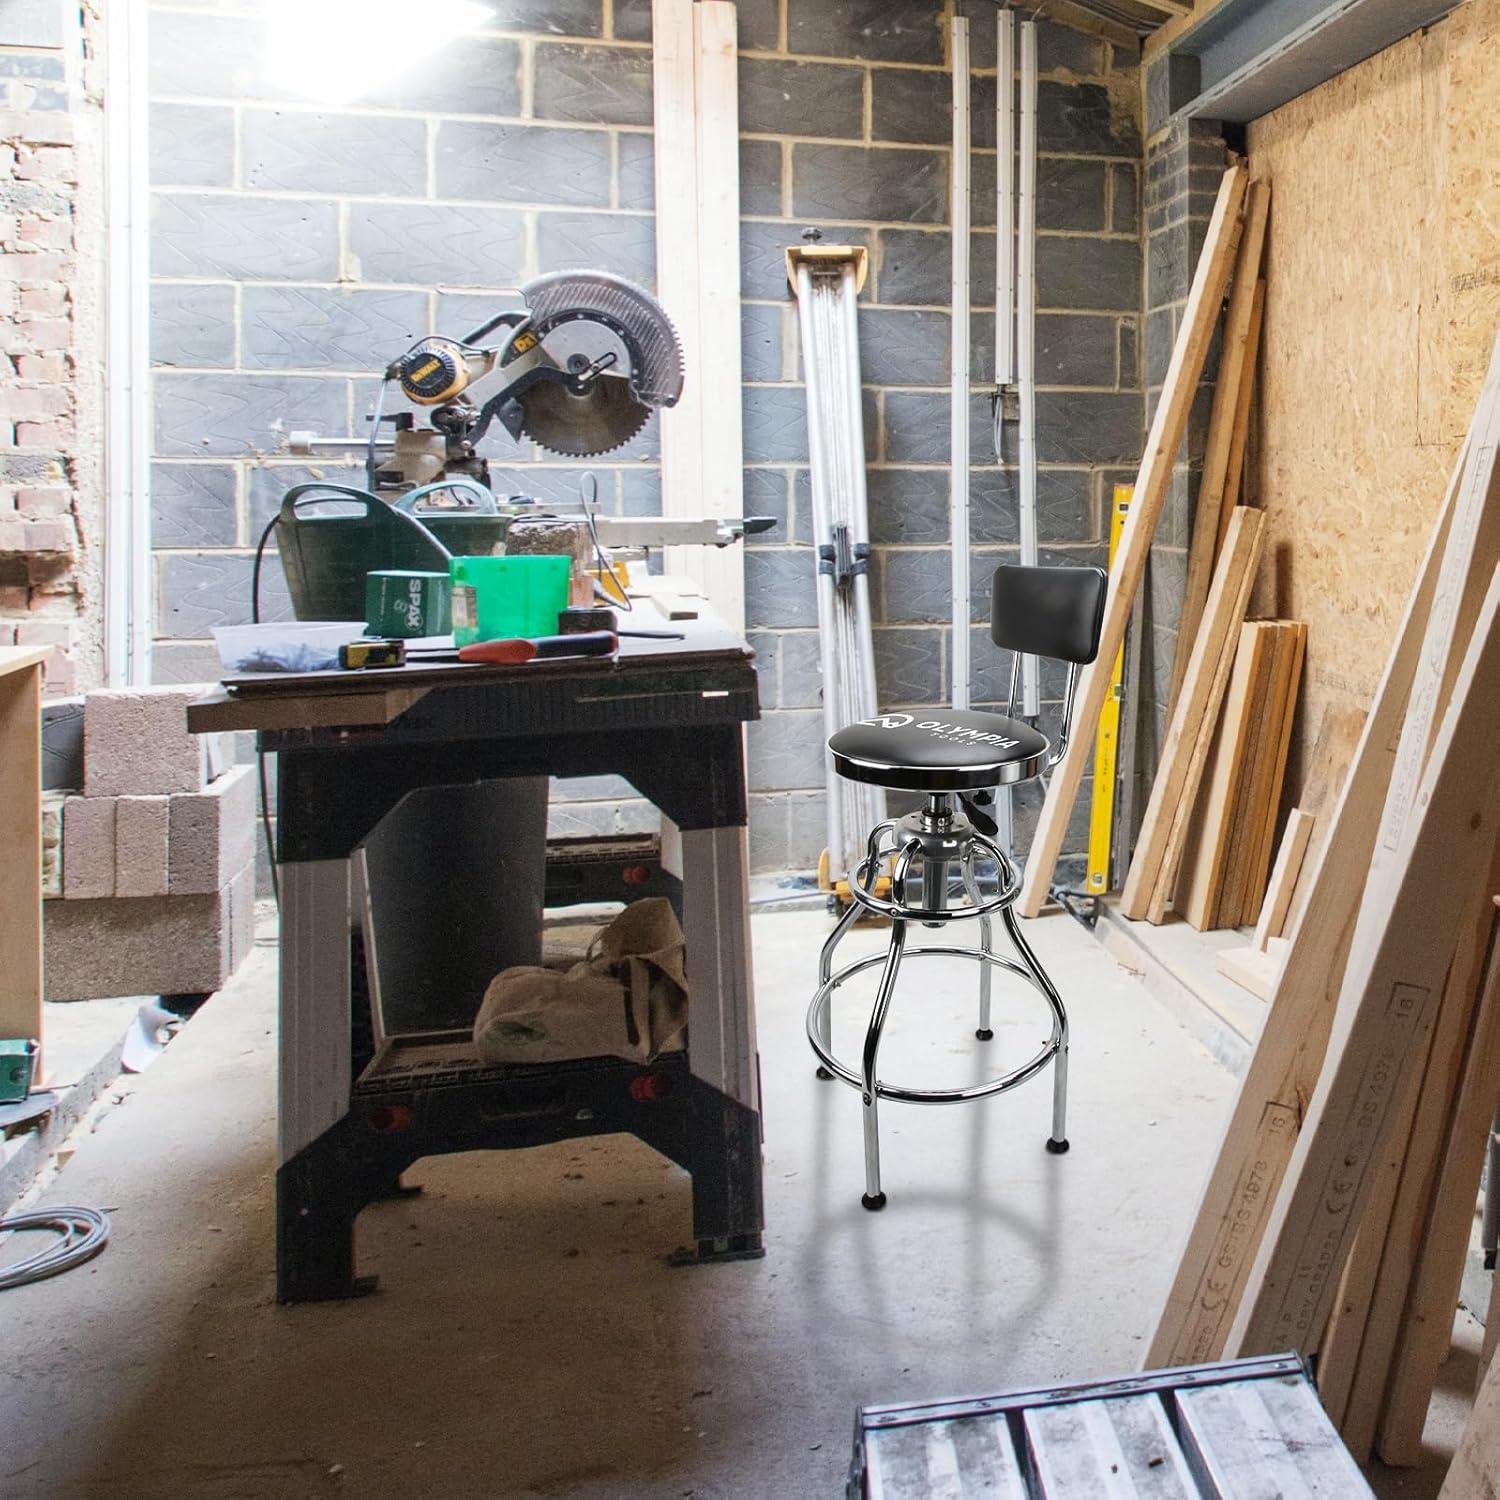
(529, 1339)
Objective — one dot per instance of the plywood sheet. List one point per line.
(1383, 296)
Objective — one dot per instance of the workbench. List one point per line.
(665, 715)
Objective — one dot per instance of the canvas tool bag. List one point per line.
(627, 998)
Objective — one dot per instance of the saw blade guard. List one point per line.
(653, 364)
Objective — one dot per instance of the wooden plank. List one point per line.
(1472, 553)
(1427, 1322)
(1273, 911)
(1339, 1357)
(1203, 862)
(1254, 969)
(1253, 786)
(1474, 1473)
(1385, 1007)
(1185, 749)
(695, 100)
(1283, 1070)
(1241, 429)
(1268, 804)
(1333, 750)
(220, 710)
(1213, 496)
(1405, 1196)
(21, 847)
(1168, 425)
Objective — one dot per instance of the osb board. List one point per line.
(1383, 301)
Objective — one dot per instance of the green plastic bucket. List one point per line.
(500, 598)
(331, 536)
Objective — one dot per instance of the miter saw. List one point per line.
(578, 371)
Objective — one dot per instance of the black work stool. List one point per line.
(957, 759)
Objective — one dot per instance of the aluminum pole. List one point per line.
(1026, 338)
(958, 454)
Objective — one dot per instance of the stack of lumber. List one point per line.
(1255, 966)
(1229, 853)
(1195, 330)
(1336, 1218)
(1218, 576)
(1190, 730)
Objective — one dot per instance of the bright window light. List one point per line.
(334, 51)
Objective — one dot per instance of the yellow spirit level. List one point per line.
(1107, 741)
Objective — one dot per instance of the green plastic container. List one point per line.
(501, 598)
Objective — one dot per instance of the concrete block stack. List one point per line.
(151, 864)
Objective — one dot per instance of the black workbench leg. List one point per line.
(315, 1232)
(728, 1210)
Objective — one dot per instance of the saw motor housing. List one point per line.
(579, 372)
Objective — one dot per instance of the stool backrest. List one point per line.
(1056, 612)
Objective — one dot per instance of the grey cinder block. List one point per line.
(88, 833)
(440, 243)
(916, 107)
(622, 243)
(471, 75)
(594, 85)
(212, 833)
(775, 424)
(192, 145)
(205, 234)
(199, 590)
(877, 30)
(821, 98)
(192, 505)
(1079, 273)
(784, 749)
(528, 163)
(779, 587)
(909, 666)
(141, 846)
(904, 348)
(869, 182)
(311, 328)
(240, 415)
(305, 152)
(149, 945)
(136, 743)
(192, 325)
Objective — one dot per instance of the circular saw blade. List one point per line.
(604, 417)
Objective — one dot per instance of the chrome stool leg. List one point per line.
(873, 1198)
(825, 968)
(1057, 1142)
(971, 889)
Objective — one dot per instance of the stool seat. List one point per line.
(939, 750)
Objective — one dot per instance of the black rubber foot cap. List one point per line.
(824, 1073)
(1057, 1148)
(874, 1204)
(985, 1034)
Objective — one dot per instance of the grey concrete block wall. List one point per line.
(296, 248)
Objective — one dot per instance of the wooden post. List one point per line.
(695, 93)
(1168, 424)
(1474, 1473)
